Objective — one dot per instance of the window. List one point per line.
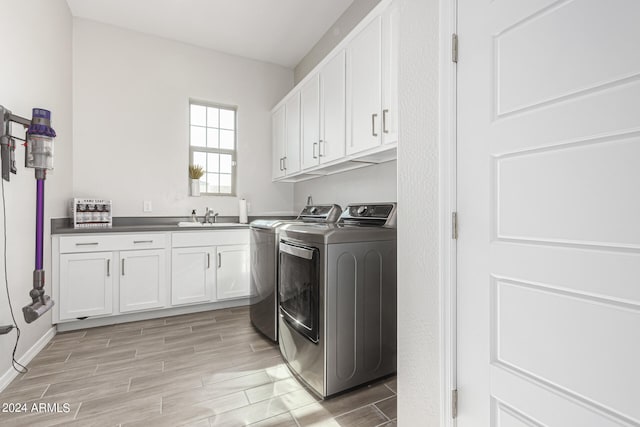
(212, 145)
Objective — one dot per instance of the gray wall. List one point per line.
(345, 23)
(35, 72)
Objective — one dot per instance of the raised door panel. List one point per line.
(364, 88)
(278, 141)
(233, 272)
(292, 151)
(333, 109)
(549, 258)
(86, 285)
(310, 113)
(390, 47)
(192, 275)
(142, 280)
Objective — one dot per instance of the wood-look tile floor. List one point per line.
(203, 369)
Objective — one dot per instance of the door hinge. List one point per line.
(454, 48)
(454, 404)
(454, 225)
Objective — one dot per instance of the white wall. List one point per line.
(376, 183)
(419, 401)
(343, 25)
(130, 104)
(35, 72)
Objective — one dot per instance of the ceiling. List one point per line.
(277, 31)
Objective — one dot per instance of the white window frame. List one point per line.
(193, 149)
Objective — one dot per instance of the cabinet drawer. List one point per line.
(111, 242)
(210, 238)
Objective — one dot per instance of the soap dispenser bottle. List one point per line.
(194, 218)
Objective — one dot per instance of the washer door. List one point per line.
(300, 288)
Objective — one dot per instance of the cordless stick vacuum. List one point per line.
(39, 155)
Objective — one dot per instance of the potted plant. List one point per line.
(195, 173)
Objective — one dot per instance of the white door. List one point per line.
(364, 86)
(310, 119)
(193, 275)
(233, 271)
(333, 115)
(292, 150)
(142, 280)
(549, 213)
(86, 284)
(278, 142)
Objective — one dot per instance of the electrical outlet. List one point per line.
(147, 206)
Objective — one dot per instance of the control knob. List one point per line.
(313, 210)
(361, 210)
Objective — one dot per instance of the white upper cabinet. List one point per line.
(390, 74)
(292, 135)
(348, 105)
(332, 109)
(310, 102)
(364, 88)
(286, 138)
(278, 140)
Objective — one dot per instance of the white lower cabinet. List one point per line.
(233, 271)
(104, 275)
(193, 275)
(86, 285)
(143, 281)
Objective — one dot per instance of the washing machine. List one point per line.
(337, 298)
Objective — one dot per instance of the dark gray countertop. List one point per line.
(150, 224)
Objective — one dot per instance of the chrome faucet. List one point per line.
(208, 215)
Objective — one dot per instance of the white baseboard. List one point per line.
(11, 373)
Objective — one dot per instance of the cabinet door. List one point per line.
(192, 275)
(292, 120)
(364, 88)
(310, 113)
(278, 142)
(233, 272)
(142, 280)
(390, 47)
(332, 102)
(86, 285)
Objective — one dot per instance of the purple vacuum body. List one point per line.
(39, 156)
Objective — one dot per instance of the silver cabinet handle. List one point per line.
(87, 244)
(284, 162)
(142, 241)
(281, 163)
(373, 124)
(320, 150)
(384, 121)
(315, 144)
(122, 268)
(108, 267)
(208, 260)
(219, 260)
